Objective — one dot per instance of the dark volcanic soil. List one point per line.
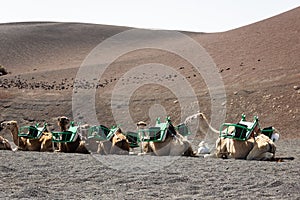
(34, 175)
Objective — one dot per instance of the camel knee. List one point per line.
(189, 152)
(266, 156)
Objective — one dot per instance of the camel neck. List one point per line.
(209, 126)
(17, 140)
(63, 128)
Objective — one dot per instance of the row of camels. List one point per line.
(44, 143)
(174, 144)
(260, 147)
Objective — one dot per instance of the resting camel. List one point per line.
(78, 146)
(4, 144)
(118, 144)
(44, 143)
(258, 147)
(173, 145)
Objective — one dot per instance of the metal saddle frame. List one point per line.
(67, 136)
(32, 132)
(240, 131)
(101, 132)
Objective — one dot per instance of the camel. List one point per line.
(4, 144)
(44, 143)
(257, 147)
(117, 144)
(174, 144)
(78, 146)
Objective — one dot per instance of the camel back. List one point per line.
(32, 132)
(157, 133)
(100, 133)
(66, 136)
(240, 131)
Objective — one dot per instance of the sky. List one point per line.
(187, 15)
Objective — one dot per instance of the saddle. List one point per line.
(70, 135)
(32, 132)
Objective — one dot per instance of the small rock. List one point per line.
(7, 105)
(3, 71)
(235, 93)
(296, 87)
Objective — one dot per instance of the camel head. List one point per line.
(141, 125)
(201, 115)
(9, 125)
(63, 122)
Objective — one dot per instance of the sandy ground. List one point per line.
(35, 175)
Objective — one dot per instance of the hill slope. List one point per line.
(259, 64)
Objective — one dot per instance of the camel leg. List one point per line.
(46, 145)
(259, 151)
(222, 150)
(104, 147)
(81, 148)
(189, 150)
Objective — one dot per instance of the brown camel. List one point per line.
(4, 144)
(44, 143)
(77, 146)
(174, 144)
(257, 147)
(117, 144)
